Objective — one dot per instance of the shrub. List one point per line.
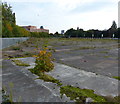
(40, 34)
(24, 32)
(12, 30)
(16, 31)
(44, 61)
(16, 48)
(6, 29)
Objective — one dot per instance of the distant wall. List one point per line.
(6, 42)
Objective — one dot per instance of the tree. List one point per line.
(16, 31)
(41, 27)
(105, 33)
(80, 32)
(117, 34)
(9, 27)
(112, 29)
(13, 18)
(7, 13)
(70, 33)
(114, 25)
(89, 33)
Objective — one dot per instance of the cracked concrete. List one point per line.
(31, 89)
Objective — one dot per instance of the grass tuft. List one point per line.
(80, 95)
(46, 77)
(20, 63)
(116, 77)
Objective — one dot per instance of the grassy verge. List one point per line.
(46, 77)
(20, 63)
(80, 95)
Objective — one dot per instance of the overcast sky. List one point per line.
(57, 15)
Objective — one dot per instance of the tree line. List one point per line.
(112, 32)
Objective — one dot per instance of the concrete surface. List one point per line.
(26, 88)
(30, 89)
(6, 42)
(100, 60)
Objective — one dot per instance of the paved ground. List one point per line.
(99, 56)
(85, 63)
(99, 60)
(29, 89)
(26, 88)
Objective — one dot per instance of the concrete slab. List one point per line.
(98, 60)
(25, 87)
(102, 85)
(72, 58)
(24, 79)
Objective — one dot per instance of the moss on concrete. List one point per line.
(116, 77)
(46, 77)
(80, 95)
(20, 63)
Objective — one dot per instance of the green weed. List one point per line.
(80, 95)
(46, 77)
(116, 77)
(20, 63)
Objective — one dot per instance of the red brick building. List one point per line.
(35, 29)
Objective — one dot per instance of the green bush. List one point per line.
(40, 34)
(16, 31)
(43, 61)
(9, 27)
(12, 30)
(6, 29)
(24, 33)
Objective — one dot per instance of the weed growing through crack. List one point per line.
(46, 77)
(8, 98)
(116, 77)
(20, 63)
(44, 63)
(80, 95)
